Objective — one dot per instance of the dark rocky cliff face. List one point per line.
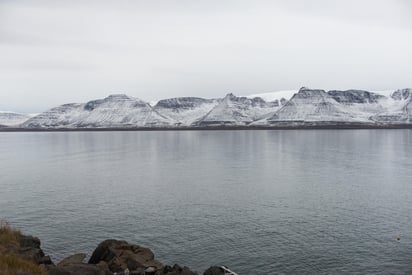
(182, 102)
(117, 98)
(354, 96)
(402, 94)
(308, 93)
(91, 105)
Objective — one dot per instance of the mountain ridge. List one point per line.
(306, 106)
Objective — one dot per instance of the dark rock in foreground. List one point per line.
(73, 259)
(117, 257)
(110, 257)
(29, 249)
(120, 255)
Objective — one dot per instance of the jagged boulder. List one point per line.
(110, 256)
(29, 249)
(120, 255)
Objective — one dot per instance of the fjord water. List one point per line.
(260, 202)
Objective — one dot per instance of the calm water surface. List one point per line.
(306, 202)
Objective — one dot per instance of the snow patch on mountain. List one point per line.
(12, 119)
(397, 108)
(185, 110)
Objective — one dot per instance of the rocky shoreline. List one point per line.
(22, 254)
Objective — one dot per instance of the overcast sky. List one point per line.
(54, 52)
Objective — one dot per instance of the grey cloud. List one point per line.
(53, 52)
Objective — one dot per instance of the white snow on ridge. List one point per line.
(153, 103)
(272, 96)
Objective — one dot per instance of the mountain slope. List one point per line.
(12, 118)
(308, 106)
(361, 105)
(398, 108)
(185, 110)
(234, 110)
(318, 106)
(112, 111)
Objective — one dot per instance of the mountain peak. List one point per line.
(229, 95)
(354, 96)
(118, 97)
(306, 89)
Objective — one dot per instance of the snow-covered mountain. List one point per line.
(398, 108)
(310, 105)
(185, 110)
(233, 110)
(351, 106)
(12, 118)
(111, 112)
(305, 107)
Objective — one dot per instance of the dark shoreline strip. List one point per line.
(215, 128)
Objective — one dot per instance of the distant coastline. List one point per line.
(304, 126)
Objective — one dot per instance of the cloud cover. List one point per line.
(54, 52)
